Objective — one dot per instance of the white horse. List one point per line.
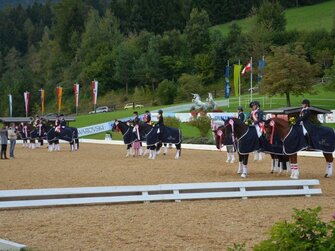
(198, 103)
(211, 103)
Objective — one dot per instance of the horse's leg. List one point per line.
(294, 167)
(240, 164)
(255, 155)
(165, 150)
(159, 146)
(232, 154)
(128, 150)
(71, 146)
(178, 151)
(32, 144)
(140, 150)
(245, 166)
(228, 154)
(153, 152)
(329, 167)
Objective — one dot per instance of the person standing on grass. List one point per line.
(12, 136)
(4, 142)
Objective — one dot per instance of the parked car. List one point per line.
(100, 110)
(130, 106)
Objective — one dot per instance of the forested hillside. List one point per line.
(152, 51)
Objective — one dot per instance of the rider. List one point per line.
(240, 113)
(256, 116)
(160, 124)
(147, 117)
(58, 124)
(304, 119)
(62, 121)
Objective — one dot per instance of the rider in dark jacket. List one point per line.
(160, 124)
(240, 115)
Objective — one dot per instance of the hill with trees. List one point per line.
(152, 51)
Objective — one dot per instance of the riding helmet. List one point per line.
(160, 112)
(257, 103)
(240, 108)
(251, 104)
(306, 102)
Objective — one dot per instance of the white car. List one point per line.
(130, 106)
(100, 110)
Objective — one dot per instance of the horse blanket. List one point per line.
(322, 139)
(294, 141)
(65, 134)
(248, 142)
(169, 135)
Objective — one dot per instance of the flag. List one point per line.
(247, 68)
(42, 100)
(237, 71)
(227, 84)
(94, 91)
(76, 94)
(10, 105)
(261, 65)
(26, 96)
(59, 93)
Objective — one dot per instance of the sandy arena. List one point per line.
(189, 225)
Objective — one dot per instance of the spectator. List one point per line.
(4, 142)
(12, 136)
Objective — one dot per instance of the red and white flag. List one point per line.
(95, 91)
(76, 94)
(26, 96)
(247, 68)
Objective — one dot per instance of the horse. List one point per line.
(148, 134)
(211, 103)
(247, 141)
(39, 133)
(294, 140)
(65, 133)
(198, 103)
(220, 139)
(129, 137)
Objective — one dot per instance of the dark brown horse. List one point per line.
(283, 129)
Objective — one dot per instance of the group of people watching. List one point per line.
(8, 133)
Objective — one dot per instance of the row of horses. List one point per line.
(280, 140)
(153, 136)
(49, 133)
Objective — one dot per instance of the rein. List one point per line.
(272, 125)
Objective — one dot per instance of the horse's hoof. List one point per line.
(164, 153)
(326, 175)
(244, 175)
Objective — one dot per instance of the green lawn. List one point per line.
(305, 18)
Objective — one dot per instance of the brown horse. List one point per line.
(283, 129)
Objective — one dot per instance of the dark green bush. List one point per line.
(306, 232)
(172, 122)
(203, 123)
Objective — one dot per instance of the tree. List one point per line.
(166, 92)
(330, 77)
(271, 16)
(197, 31)
(288, 72)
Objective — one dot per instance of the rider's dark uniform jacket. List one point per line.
(256, 116)
(241, 116)
(304, 115)
(136, 120)
(63, 123)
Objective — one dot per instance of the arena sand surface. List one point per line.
(189, 225)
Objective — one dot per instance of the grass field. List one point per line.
(306, 18)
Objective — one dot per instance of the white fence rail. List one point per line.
(165, 192)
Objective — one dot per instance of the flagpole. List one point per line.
(239, 85)
(229, 90)
(251, 90)
(10, 105)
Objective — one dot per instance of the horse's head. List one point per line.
(218, 130)
(269, 128)
(235, 126)
(196, 97)
(115, 126)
